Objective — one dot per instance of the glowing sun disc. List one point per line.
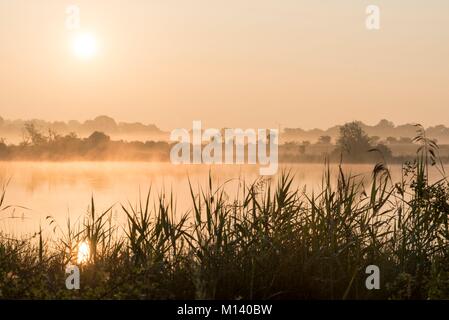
(83, 253)
(84, 45)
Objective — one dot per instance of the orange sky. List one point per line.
(235, 63)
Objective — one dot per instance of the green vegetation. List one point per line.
(266, 243)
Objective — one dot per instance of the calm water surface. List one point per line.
(64, 189)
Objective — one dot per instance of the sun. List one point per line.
(83, 252)
(84, 45)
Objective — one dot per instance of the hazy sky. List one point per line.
(234, 63)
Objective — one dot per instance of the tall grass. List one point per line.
(270, 241)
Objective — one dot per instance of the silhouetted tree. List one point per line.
(34, 135)
(3, 148)
(303, 147)
(353, 140)
(98, 138)
(355, 145)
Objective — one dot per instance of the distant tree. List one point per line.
(324, 140)
(3, 147)
(353, 140)
(98, 138)
(355, 145)
(72, 135)
(102, 123)
(53, 135)
(33, 135)
(385, 124)
(290, 145)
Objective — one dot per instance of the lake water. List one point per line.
(64, 189)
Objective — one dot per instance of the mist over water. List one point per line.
(64, 189)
